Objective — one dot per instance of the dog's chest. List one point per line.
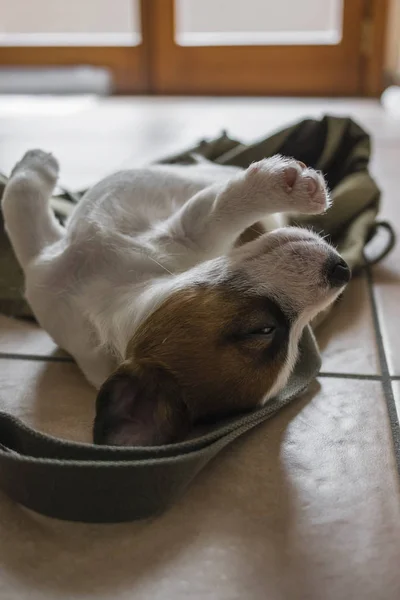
(143, 206)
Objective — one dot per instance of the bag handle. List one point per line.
(387, 248)
(84, 482)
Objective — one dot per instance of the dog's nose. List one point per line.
(338, 272)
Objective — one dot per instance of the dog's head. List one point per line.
(223, 342)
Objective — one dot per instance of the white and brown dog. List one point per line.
(165, 293)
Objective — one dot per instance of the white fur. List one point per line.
(139, 235)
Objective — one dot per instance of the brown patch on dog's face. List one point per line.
(205, 353)
(210, 340)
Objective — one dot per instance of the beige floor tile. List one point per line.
(386, 275)
(388, 306)
(24, 337)
(347, 338)
(52, 397)
(396, 393)
(305, 507)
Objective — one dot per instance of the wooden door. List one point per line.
(346, 62)
(344, 57)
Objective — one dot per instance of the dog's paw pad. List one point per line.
(312, 185)
(317, 198)
(308, 189)
(290, 175)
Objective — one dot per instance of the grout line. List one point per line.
(13, 356)
(68, 359)
(386, 379)
(351, 376)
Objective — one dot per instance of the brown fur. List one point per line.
(193, 336)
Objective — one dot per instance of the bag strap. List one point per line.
(372, 257)
(84, 482)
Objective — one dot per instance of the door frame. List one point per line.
(159, 66)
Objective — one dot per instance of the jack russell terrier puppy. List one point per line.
(174, 288)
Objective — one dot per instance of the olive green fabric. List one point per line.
(105, 484)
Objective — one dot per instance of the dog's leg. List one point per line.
(29, 221)
(216, 216)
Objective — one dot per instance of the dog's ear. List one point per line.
(144, 409)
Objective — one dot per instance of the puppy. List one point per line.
(164, 291)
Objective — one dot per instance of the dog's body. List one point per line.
(152, 260)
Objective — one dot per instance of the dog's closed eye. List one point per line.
(266, 332)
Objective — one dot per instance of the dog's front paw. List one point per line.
(299, 188)
(37, 161)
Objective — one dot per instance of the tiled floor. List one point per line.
(305, 507)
